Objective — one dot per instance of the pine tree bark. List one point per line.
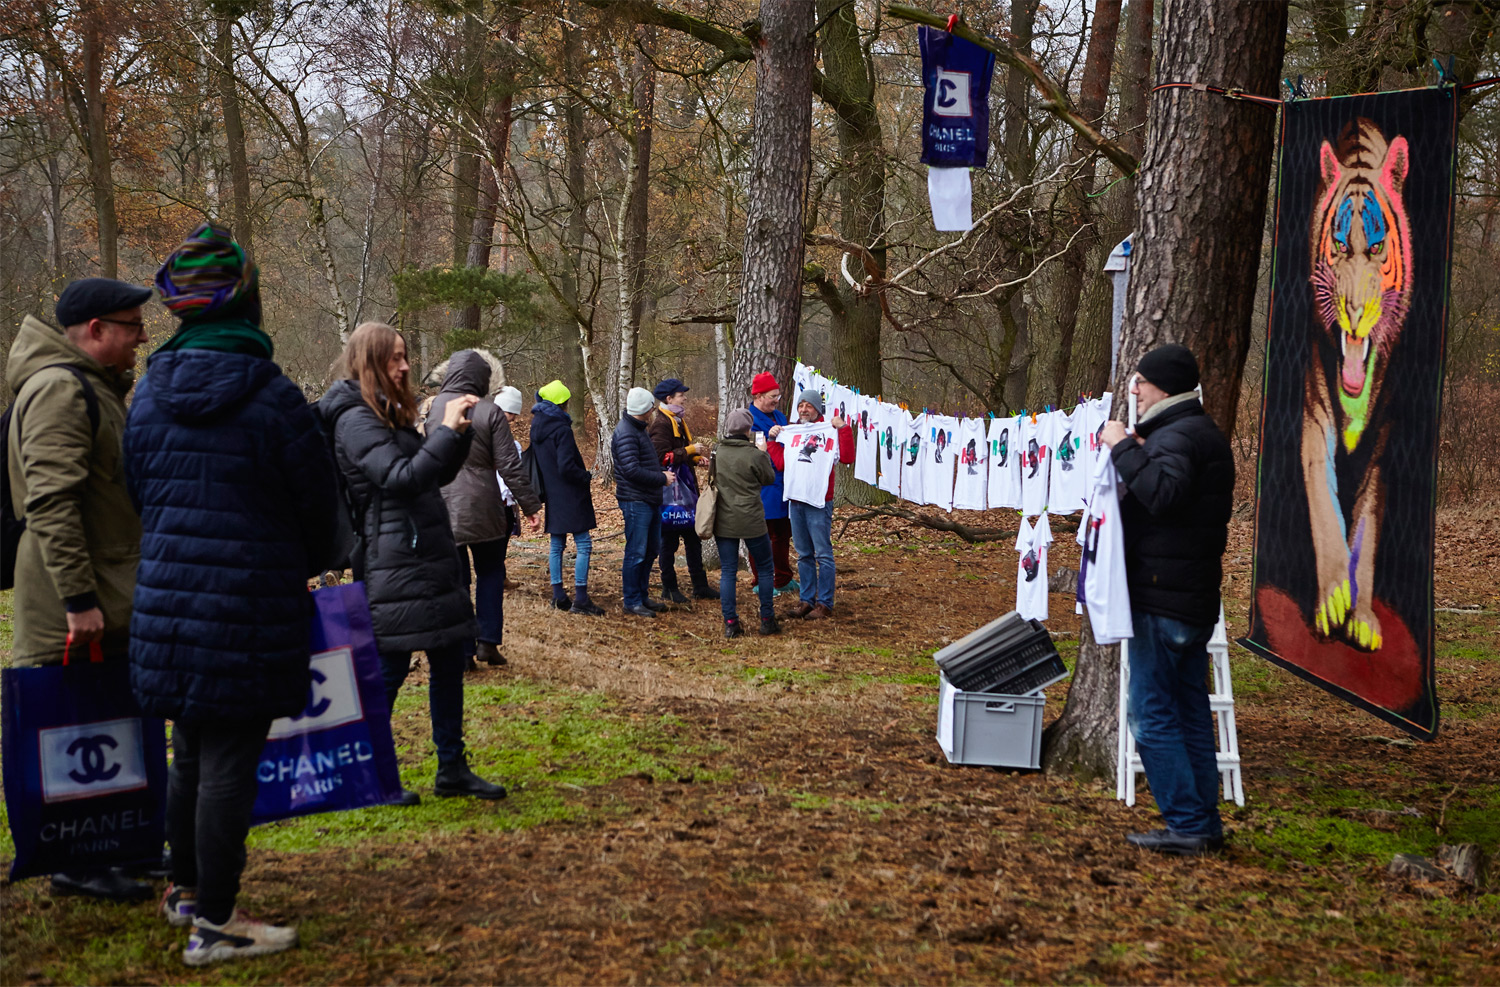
(770, 305)
(1203, 184)
(234, 137)
(1088, 370)
(101, 174)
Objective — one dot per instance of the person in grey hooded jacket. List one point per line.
(482, 521)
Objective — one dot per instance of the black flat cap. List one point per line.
(90, 298)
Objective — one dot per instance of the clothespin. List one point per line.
(952, 21)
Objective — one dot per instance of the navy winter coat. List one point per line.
(570, 495)
(405, 553)
(1174, 512)
(237, 499)
(638, 471)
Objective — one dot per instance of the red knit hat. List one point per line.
(763, 383)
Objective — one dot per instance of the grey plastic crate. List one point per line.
(990, 729)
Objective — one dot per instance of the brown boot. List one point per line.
(802, 609)
(819, 612)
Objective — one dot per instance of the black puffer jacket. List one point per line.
(570, 497)
(473, 498)
(638, 472)
(405, 554)
(1179, 490)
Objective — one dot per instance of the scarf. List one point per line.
(225, 335)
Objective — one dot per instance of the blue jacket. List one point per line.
(570, 495)
(638, 470)
(237, 499)
(770, 496)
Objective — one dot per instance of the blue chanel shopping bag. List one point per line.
(85, 771)
(337, 753)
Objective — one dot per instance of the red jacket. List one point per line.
(846, 451)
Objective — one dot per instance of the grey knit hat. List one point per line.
(738, 422)
(813, 398)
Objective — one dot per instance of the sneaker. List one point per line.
(769, 626)
(242, 935)
(791, 589)
(179, 905)
(733, 628)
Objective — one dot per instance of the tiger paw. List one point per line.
(1362, 628)
(1334, 607)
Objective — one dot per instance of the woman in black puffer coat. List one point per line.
(405, 553)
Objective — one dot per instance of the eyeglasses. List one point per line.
(138, 324)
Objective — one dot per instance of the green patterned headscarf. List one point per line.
(211, 285)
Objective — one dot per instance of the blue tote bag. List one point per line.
(85, 771)
(337, 753)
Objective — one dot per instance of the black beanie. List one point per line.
(1171, 367)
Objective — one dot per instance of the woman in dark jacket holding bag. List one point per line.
(406, 554)
(237, 500)
(567, 486)
(682, 454)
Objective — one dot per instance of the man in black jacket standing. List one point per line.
(639, 481)
(1177, 475)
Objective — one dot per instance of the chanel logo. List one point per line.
(90, 754)
(316, 705)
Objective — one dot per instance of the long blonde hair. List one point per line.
(366, 357)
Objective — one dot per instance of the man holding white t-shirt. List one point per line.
(1177, 487)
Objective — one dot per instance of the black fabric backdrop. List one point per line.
(1395, 682)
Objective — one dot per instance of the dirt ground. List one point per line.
(687, 809)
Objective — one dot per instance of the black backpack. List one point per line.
(348, 519)
(534, 472)
(10, 525)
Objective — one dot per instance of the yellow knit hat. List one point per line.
(556, 392)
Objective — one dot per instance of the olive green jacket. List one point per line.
(83, 536)
(740, 470)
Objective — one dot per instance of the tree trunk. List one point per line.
(1020, 163)
(574, 375)
(770, 306)
(1203, 183)
(630, 236)
(234, 137)
(101, 175)
(491, 171)
(1055, 351)
(1088, 371)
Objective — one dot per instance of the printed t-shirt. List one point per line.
(889, 436)
(911, 458)
(1031, 570)
(939, 457)
(972, 482)
(1005, 462)
(1101, 560)
(865, 460)
(810, 454)
(1035, 445)
(1067, 488)
(1096, 413)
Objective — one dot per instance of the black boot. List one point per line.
(732, 628)
(560, 599)
(108, 884)
(490, 654)
(673, 595)
(581, 602)
(407, 798)
(456, 779)
(702, 591)
(769, 626)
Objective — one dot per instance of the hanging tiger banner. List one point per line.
(1346, 493)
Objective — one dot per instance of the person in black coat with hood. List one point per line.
(1177, 490)
(567, 487)
(405, 551)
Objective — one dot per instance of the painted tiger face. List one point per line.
(1361, 261)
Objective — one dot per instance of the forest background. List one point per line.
(568, 185)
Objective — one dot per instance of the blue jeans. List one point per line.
(489, 586)
(729, 564)
(583, 542)
(642, 543)
(1172, 723)
(812, 536)
(445, 695)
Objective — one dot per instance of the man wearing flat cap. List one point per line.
(76, 560)
(1176, 491)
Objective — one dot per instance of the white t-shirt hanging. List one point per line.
(1101, 559)
(864, 441)
(1096, 414)
(1035, 446)
(1068, 486)
(889, 435)
(1031, 570)
(939, 457)
(911, 458)
(810, 453)
(971, 485)
(801, 378)
(841, 402)
(1005, 462)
